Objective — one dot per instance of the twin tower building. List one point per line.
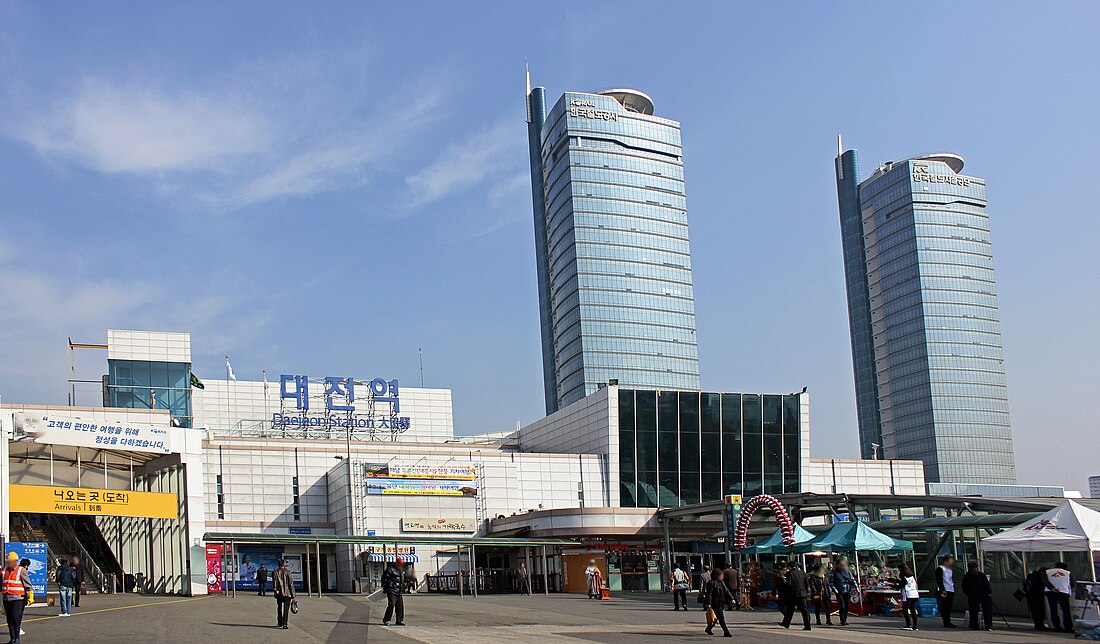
(616, 301)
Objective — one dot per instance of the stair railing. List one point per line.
(65, 531)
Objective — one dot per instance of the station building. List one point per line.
(340, 473)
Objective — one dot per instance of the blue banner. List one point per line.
(36, 552)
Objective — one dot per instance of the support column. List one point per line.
(545, 573)
(473, 567)
(668, 552)
(319, 589)
(458, 572)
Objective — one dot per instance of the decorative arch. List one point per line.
(740, 534)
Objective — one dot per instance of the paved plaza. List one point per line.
(445, 619)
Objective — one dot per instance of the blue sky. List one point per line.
(324, 190)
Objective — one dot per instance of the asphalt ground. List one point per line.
(446, 619)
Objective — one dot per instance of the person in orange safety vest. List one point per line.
(18, 592)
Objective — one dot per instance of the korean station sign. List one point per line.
(102, 434)
(338, 408)
(61, 499)
(438, 525)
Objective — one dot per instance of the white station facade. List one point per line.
(338, 473)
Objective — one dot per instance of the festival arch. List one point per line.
(740, 534)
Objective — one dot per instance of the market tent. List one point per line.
(774, 543)
(1068, 527)
(853, 536)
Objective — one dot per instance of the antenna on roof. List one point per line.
(528, 69)
(839, 144)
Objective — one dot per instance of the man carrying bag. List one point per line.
(283, 588)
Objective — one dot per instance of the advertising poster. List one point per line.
(250, 558)
(36, 552)
(294, 565)
(214, 576)
(421, 487)
(438, 472)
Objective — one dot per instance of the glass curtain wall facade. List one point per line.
(682, 447)
(615, 281)
(939, 368)
(140, 384)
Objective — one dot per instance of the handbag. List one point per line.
(294, 606)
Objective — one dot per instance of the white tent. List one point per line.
(1070, 527)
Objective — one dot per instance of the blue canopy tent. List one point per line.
(853, 536)
(774, 543)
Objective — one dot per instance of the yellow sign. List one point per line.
(59, 499)
(733, 499)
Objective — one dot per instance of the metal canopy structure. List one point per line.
(327, 539)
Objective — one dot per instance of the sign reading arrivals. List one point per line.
(339, 404)
(61, 499)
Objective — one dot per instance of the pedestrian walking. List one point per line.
(820, 595)
(843, 584)
(716, 597)
(78, 568)
(282, 586)
(66, 581)
(393, 584)
(797, 589)
(261, 579)
(1035, 590)
(524, 579)
(979, 596)
(945, 589)
(680, 583)
(779, 585)
(1059, 587)
(18, 592)
(732, 579)
(910, 593)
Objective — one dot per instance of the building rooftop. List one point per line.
(631, 99)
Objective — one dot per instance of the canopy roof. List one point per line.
(1070, 527)
(774, 543)
(850, 536)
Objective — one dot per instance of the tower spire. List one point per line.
(839, 145)
(528, 69)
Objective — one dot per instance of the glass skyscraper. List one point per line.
(611, 245)
(922, 305)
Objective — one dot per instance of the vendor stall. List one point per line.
(774, 544)
(855, 537)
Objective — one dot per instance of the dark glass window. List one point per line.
(792, 444)
(711, 446)
(645, 410)
(627, 471)
(139, 384)
(731, 443)
(773, 444)
(668, 462)
(689, 447)
(754, 444)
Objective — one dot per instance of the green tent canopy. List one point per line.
(774, 544)
(853, 536)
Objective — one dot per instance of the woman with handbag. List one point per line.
(716, 598)
(680, 585)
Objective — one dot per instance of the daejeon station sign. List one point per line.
(339, 409)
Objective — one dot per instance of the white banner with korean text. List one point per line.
(57, 429)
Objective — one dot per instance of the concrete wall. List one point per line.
(851, 476)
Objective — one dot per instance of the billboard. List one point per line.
(438, 525)
(36, 552)
(421, 487)
(445, 472)
(250, 558)
(83, 432)
(214, 553)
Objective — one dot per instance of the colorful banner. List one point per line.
(36, 552)
(421, 488)
(438, 525)
(83, 432)
(214, 554)
(444, 472)
(61, 499)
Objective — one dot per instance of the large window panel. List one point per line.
(773, 444)
(710, 465)
(732, 467)
(627, 470)
(792, 443)
(752, 422)
(689, 448)
(668, 461)
(645, 410)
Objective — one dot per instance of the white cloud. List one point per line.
(462, 165)
(139, 129)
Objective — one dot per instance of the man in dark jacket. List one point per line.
(393, 583)
(261, 579)
(1035, 591)
(78, 568)
(795, 597)
(66, 579)
(843, 583)
(979, 595)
